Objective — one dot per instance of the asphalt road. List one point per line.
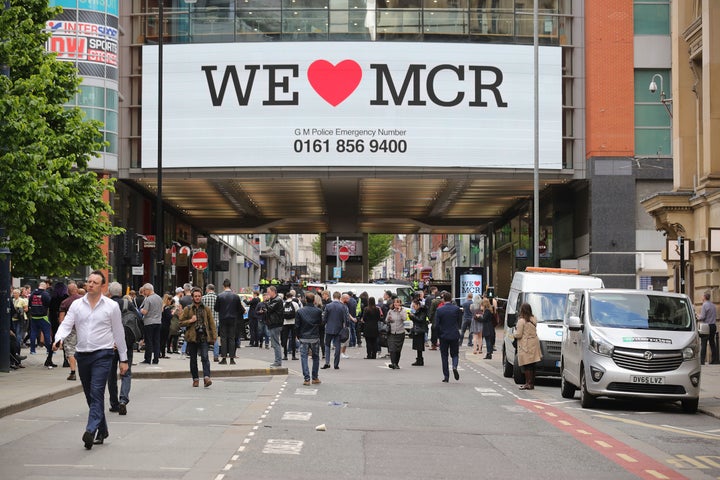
(379, 423)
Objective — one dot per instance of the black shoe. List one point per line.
(155, 362)
(88, 439)
(418, 363)
(66, 364)
(488, 356)
(115, 409)
(294, 357)
(284, 357)
(325, 366)
(445, 380)
(223, 361)
(456, 374)
(100, 438)
(337, 367)
(122, 409)
(145, 362)
(232, 361)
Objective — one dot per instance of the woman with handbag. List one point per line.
(395, 318)
(370, 318)
(528, 345)
(476, 326)
(418, 315)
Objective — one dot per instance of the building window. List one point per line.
(653, 125)
(651, 17)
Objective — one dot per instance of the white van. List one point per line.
(630, 343)
(545, 289)
(375, 290)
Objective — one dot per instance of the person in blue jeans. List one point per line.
(201, 332)
(98, 324)
(118, 404)
(466, 320)
(307, 328)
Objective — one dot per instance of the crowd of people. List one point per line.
(97, 329)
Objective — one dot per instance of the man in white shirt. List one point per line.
(99, 328)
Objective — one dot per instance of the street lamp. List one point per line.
(663, 99)
(159, 280)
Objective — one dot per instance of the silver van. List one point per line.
(630, 343)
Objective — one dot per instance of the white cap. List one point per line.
(179, 289)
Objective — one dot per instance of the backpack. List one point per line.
(289, 310)
(131, 321)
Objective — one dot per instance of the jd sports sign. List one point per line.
(338, 103)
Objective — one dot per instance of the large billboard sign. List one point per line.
(351, 103)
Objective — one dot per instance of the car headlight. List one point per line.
(689, 353)
(600, 346)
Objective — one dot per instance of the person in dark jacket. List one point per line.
(335, 317)
(256, 328)
(488, 320)
(371, 315)
(39, 303)
(448, 318)
(274, 308)
(418, 315)
(307, 329)
(231, 312)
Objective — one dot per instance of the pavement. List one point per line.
(36, 385)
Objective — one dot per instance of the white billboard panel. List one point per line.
(351, 104)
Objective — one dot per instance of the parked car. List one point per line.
(630, 343)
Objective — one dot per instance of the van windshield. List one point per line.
(643, 311)
(547, 307)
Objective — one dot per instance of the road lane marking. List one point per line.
(299, 416)
(633, 461)
(283, 447)
(306, 391)
(664, 428)
(626, 457)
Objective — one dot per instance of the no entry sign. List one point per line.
(344, 253)
(200, 260)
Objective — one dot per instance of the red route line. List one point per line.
(614, 450)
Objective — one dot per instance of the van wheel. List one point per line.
(690, 406)
(507, 366)
(518, 374)
(567, 389)
(586, 400)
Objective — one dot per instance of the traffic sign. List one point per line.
(173, 254)
(344, 253)
(200, 260)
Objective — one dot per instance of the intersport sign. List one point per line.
(356, 103)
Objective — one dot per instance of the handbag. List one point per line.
(344, 334)
(703, 328)
(383, 327)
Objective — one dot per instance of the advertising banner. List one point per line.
(468, 280)
(351, 103)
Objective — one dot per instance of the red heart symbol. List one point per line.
(334, 83)
(477, 283)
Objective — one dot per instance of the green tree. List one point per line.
(379, 247)
(51, 205)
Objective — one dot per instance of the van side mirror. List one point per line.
(511, 320)
(574, 323)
